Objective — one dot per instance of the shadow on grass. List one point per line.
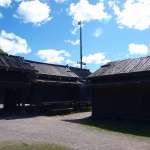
(23, 146)
(134, 128)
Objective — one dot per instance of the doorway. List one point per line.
(12, 99)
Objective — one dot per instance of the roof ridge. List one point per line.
(9, 55)
(79, 68)
(31, 61)
(124, 67)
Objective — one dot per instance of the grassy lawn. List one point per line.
(138, 128)
(24, 146)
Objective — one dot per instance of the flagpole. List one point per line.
(81, 63)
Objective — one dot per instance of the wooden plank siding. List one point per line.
(15, 80)
(53, 84)
(42, 93)
(122, 101)
(122, 89)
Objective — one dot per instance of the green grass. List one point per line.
(130, 128)
(24, 146)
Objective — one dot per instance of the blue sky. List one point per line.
(48, 30)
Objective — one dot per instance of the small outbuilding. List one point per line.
(15, 81)
(121, 89)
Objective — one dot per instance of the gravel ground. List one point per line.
(66, 130)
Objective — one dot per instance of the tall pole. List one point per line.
(81, 63)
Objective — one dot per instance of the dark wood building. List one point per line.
(15, 81)
(122, 89)
(85, 93)
(28, 82)
(53, 84)
(81, 73)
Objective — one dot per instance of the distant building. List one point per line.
(122, 89)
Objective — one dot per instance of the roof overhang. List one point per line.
(38, 81)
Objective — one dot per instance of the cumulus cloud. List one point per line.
(98, 32)
(34, 12)
(96, 58)
(13, 44)
(68, 61)
(5, 3)
(60, 1)
(53, 56)
(76, 65)
(135, 14)
(72, 42)
(106, 61)
(1, 15)
(18, 0)
(138, 49)
(85, 11)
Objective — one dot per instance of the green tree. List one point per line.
(2, 52)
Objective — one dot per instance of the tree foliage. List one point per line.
(2, 52)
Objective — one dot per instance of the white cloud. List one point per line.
(135, 14)
(5, 3)
(106, 61)
(1, 15)
(75, 30)
(85, 11)
(13, 44)
(33, 12)
(138, 49)
(96, 58)
(98, 32)
(72, 42)
(68, 61)
(60, 1)
(76, 65)
(19, 0)
(53, 56)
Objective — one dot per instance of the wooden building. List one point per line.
(122, 89)
(81, 73)
(28, 82)
(53, 84)
(85, 93)
(15, 81)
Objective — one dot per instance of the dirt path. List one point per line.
(66, 130)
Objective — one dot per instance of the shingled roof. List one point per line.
(123, 67)
(14, 63)
(45, 69)
(81, 73)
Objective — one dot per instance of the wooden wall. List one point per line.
(14, 76)
(52, 93)
(123, 101)
(1, 95)
(14, 86)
